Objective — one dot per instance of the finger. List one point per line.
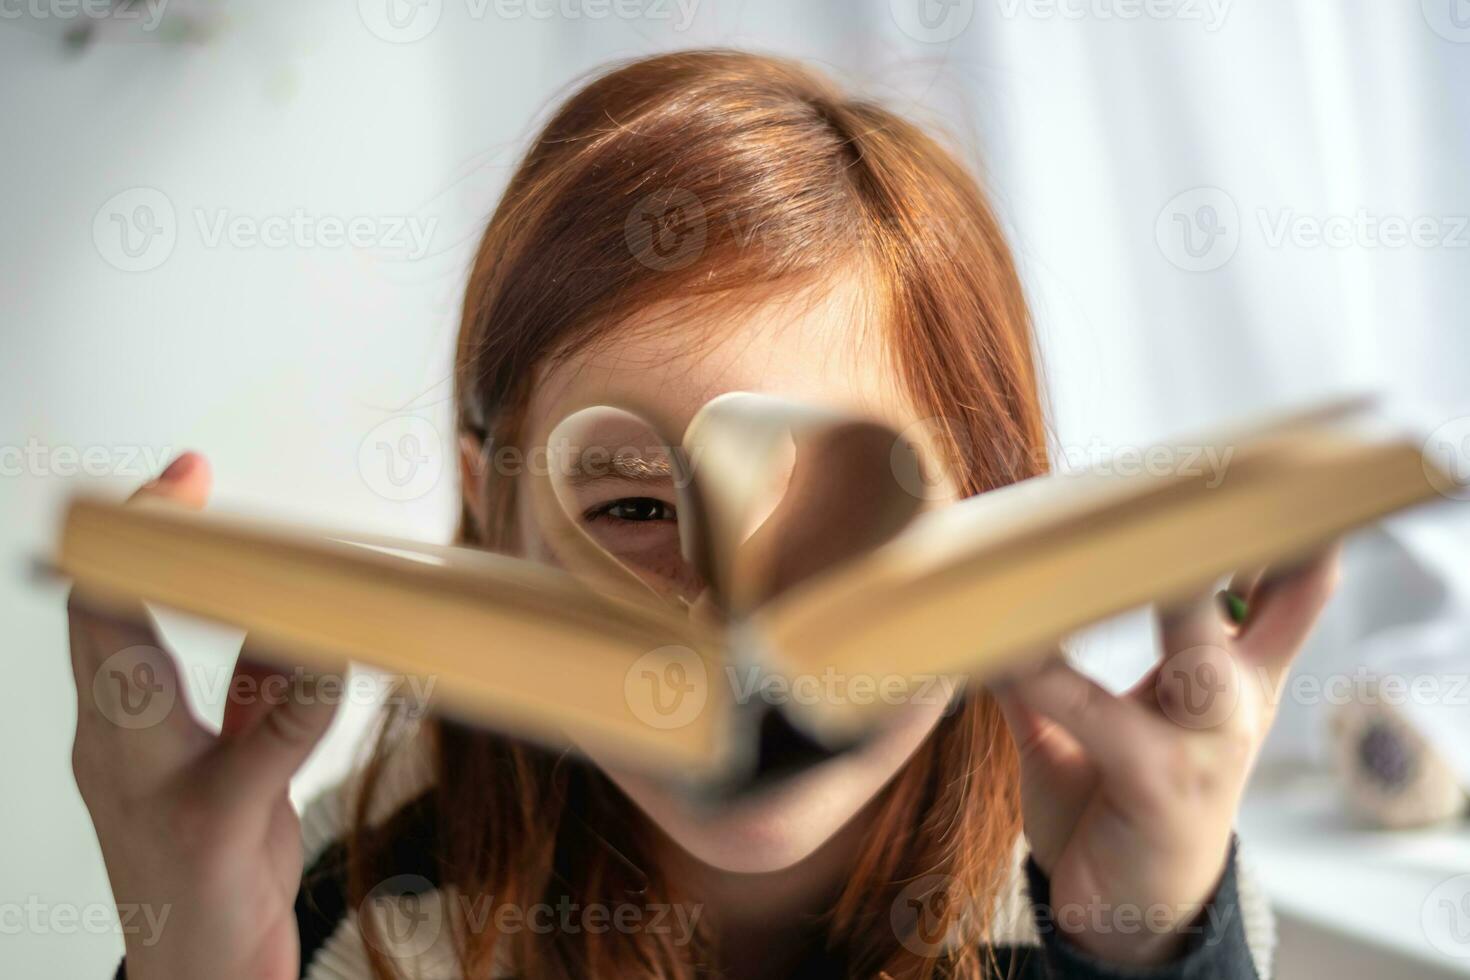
(247, 701)
(1196, 623)
(1054, 766)
(1056, 776)
(1024, 723)
(1285, 608)
(1244, 582)
(1109, 729)
(1034, 734)
(1142, 690)
(1235, 600)
(186, 480)
(1197, 683)
(257, 763)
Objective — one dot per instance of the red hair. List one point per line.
(712, 176)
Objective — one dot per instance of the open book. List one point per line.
(811, 576)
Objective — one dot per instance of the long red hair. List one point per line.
(708, 176)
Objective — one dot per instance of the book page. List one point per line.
(789, 491)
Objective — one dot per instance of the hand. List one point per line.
(193, 826)
(1129, 800)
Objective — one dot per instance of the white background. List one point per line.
(292, 364)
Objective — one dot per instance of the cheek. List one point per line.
(785, 824)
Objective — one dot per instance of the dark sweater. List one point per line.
(1216, 946)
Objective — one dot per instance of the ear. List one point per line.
(472, 465)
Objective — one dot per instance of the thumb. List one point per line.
(187, 480)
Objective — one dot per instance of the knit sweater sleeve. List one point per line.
(1215, 947)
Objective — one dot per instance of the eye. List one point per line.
(633, 510)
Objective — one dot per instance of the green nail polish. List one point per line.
(1235, 606)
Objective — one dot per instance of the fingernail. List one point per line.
(178, 469)
(1234, 606)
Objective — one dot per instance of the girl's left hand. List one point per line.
(1129, 800)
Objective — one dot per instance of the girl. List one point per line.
(688, 225)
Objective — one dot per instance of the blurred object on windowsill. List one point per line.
(1401, 745)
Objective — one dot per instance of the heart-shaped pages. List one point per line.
(758, 496)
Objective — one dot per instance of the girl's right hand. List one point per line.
(193, 826)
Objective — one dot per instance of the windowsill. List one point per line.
(1338, 878)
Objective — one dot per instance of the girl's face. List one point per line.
(814, 348)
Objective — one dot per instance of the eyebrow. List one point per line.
(625, 466)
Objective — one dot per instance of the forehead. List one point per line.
(823, 345)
